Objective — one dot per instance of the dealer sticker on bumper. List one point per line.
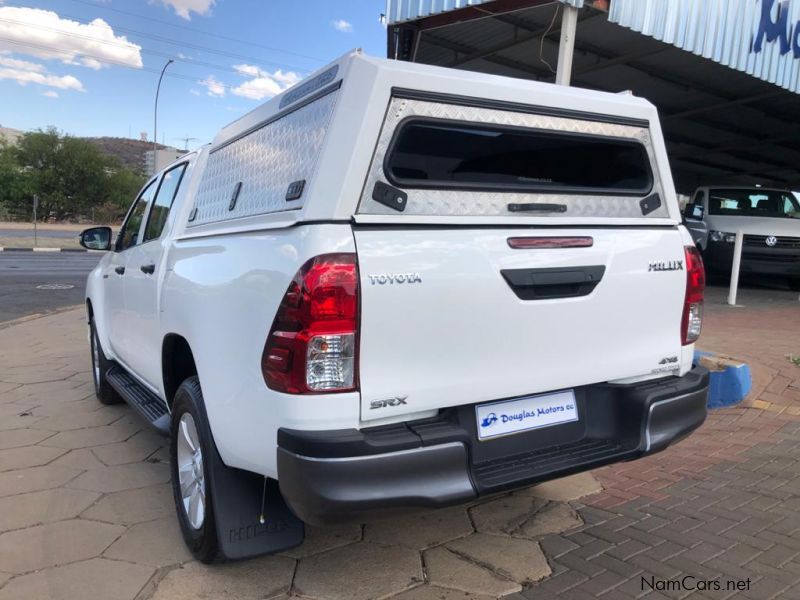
(522, 414)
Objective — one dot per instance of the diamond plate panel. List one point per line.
(486, 203)
(266, 161)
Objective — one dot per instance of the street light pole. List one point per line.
(155, 115)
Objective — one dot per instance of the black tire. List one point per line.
(794, 285)
(100, 366)
(201, 541)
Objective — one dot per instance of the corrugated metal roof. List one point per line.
(723, 31)
(398, 11)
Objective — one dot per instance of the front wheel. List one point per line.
(191, 446)
(100, 366)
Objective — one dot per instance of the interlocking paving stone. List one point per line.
(28, 456)
(129, 507)
(122, 477)
(255, 579)
(516, 559)
(359, 571)
(104, 415)
(420, 530)
(35, 548)
(81, 459)
(46, 506)
(432, 592)
(567, 488)
(156, 543)
(16, 438)
(135, 449)
(95, 579)
(94, 436)
(522, 515)
(321, 539)
(34, 478)
(447, 569)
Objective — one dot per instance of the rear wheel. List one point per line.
(794, 285)
(100, 366)
(191, 446)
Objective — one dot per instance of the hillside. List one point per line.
(129, 152)
(9, 135)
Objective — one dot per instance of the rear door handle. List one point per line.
(545, 284)
(119, 270)
(148, 269)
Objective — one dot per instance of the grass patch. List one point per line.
(44, 242)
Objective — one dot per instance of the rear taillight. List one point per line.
(693, 304)
(312, 346)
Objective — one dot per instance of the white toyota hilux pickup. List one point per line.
(397, 285)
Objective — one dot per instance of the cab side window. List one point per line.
(167, 191)
(129, 234)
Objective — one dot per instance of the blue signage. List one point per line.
(779, 29)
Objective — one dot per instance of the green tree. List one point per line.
(15, 185)
(70, 176)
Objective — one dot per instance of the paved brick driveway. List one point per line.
(86, 510)
(721, 505)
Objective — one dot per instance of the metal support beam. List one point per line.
(566, 48)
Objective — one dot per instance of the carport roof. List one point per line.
(721, 125)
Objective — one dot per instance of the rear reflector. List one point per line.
(525, 243)
(311, 347)
(692, 321)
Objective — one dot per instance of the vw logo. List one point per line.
(771, 241)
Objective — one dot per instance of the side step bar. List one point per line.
(146, 403)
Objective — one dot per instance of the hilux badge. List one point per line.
(666, 265)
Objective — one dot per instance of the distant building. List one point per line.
(154, 162)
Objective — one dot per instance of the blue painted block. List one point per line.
(728, 387)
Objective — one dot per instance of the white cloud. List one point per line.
(263, 84)
(44, 34)
(24, 65)
(194, 92)
(50, 94)
(185, 8)
(214, 87)
(24, 77)
(342, 25)
(247, 70)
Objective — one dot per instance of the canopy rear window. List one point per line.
(432, 153)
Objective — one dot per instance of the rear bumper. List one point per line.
(330, 476)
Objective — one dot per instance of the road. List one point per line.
(22, 272)
(42, 233)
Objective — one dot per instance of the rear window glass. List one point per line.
(440, 154)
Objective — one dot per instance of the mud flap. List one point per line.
(237, 497)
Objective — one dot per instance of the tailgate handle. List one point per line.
(545, 284)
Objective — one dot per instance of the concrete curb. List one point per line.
(38, 249)
(730, 380)
(33, 317)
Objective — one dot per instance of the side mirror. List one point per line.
(694, 211)
(96, 238)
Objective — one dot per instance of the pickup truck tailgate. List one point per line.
(453, 316)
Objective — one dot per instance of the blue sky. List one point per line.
(90, 67)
